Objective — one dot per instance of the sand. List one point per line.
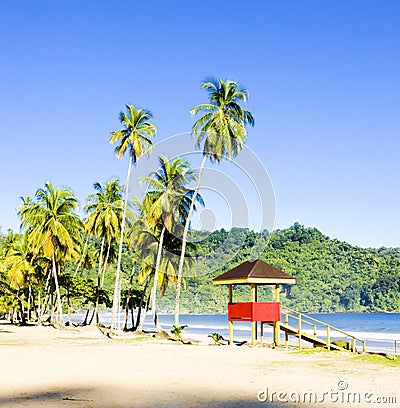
(45, 367)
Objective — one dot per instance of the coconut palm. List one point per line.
(19, 270)
(134, 138)
(141, 236)
(165, 205)
(168, 198)
(18, 263)
(148, 246)
(24, 269)
(221, 130)
(104, 222)
(88, 256)
(53, 230)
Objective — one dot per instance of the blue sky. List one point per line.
(324, 80)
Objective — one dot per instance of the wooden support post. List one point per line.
(277, 324)
(277, 333)
(286, 335)
(253, 324)
(253, 292)
(253, 333)
(328, 337)
(262, 332)
(277, 290)
(299, 329)
(230, 324)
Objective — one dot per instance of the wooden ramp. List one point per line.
(315, 341)
(305, 328)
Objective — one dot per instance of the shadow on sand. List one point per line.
(91, 397)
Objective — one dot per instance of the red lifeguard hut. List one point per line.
(254, 273)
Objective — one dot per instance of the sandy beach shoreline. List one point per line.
(80, 367)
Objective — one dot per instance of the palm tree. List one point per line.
(169, 199)
(104, 221)
(24, 269)
(53, 230)
(147, 243)
(164, 206)
(141, 236)
(18, 263)
(134, 138)
(222, 131)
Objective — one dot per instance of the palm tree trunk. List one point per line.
(22, 310)
(184, 239)
(128, 297)
(83, 255)
(38, 314)
(36, 308)
(140, 319)
(51, 301)
(11, 315)
(143, 317)
(59, 306)
(105, 264)
(96, 306)
(117, 287)
(92, 317)
(69, 309)
(46, 293)
(29, 298)
(153, 295)
(84, 323)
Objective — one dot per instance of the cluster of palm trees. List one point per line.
(155, 229)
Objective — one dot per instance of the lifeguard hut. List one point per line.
(255, 273)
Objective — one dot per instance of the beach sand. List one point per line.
(80, 367)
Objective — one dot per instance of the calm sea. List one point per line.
(378, 329)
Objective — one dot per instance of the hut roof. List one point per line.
(257, 271)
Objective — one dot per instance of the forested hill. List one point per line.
(331, 275)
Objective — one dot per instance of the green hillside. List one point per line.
(332, 276)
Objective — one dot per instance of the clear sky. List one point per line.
(324, 80)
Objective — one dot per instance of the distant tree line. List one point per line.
(331, 276)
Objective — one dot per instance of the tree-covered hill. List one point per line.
(331, 275)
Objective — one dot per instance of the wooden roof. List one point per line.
(257, 271)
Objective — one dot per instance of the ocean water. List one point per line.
(379, 330)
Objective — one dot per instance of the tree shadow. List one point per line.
(94, 397)
(55, 398)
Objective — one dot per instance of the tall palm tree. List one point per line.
(104, 221)
(222, 131)
(53, 230)
(169, 198)
(141, 236)
(134, 138)
(146, 237)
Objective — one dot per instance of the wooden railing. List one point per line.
(302, 319)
